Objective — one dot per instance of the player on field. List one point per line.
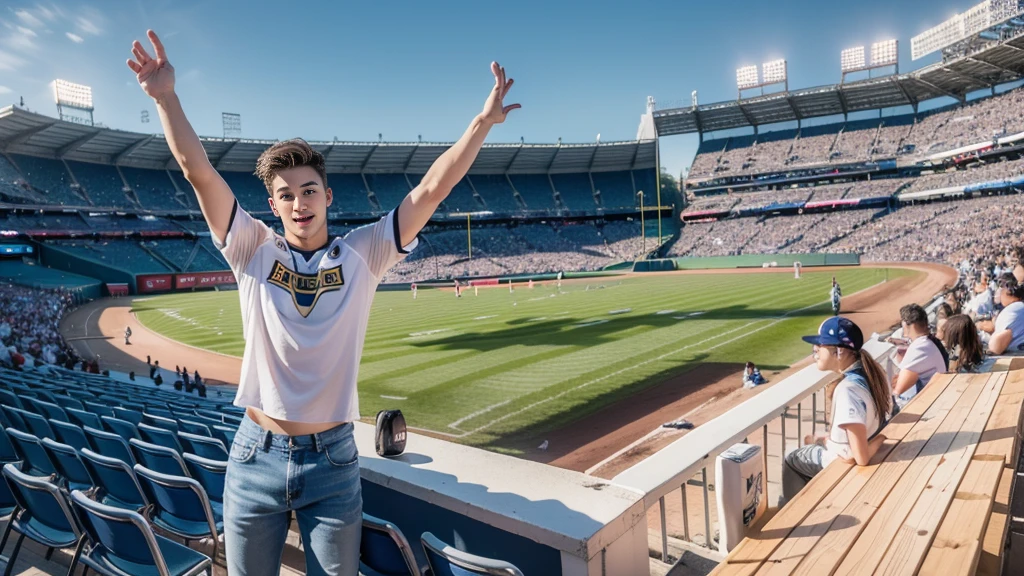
(836, 294)
(305, 299)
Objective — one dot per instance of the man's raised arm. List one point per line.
(156, 77)
(450, 167)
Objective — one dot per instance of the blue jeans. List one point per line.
(268, 477)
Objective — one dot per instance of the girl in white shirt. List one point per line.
(860, 403)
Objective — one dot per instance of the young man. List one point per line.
(305, 304)
(923, 358)
(1008, 329)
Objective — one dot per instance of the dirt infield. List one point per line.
(97, 330)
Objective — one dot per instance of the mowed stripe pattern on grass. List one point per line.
(489, 367)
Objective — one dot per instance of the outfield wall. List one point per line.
(746, 261)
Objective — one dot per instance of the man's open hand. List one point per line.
(494, 109)
(155, 76)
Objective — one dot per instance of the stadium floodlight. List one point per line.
(974, 20)
(885, 53)
(74, 95)
(774, 72)
(746, 77)
(232, 124)
(74, 102)
(852, 59)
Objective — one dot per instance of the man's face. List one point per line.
(298, 197)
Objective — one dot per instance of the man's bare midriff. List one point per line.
(287, 427)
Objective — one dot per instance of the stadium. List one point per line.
(567, 343)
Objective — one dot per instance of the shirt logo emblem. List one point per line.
(334, 252)
(306, 289)
(281, 246)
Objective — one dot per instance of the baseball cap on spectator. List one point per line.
(838, 331)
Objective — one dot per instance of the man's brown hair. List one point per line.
(289, 154)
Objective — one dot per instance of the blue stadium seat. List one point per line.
(210, 474)
(47, 410)
(159, 458)
(66, 402)
(8, 398)
(122, 542)
(191, 427)
(115, 480)
(383, 549)
(122, 428)
(133, 416)
(84, 418)
(70, 434)
(445, 560)
(68, 465)
(160, 437)
(204, 446)
(43, 514)
(7, 451)
(110, 445)
(180, 506)
(35, 460)
(98, 409)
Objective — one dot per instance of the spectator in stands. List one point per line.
(752, 376)
(860, 404)
(961, 340)
(1008, 330)
(153, 368)
(1018, 264)
(924, 357)
(942, 314)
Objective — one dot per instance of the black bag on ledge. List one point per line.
(389, 439)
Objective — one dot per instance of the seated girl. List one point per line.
(860, 403)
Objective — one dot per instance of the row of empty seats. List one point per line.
(29, 179)
(106, 469)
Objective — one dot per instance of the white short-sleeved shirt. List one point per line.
(924, 357)
(851, 404)
(1012, 318)
(981, 304)
(304, 322)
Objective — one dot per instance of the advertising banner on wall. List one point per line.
(145, 283)
(203, 280)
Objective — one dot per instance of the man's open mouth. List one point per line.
(303, 219)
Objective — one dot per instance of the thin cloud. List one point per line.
(21, 40)
(50, 13)
(5, 90)
(28, 18)
(88, 26)
(9, 61)
(75, 37)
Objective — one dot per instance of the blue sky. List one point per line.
(404, 69)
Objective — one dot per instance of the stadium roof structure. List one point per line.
(997, 64)
(25, 132)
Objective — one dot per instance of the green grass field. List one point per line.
(488, 368)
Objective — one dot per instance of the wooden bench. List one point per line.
(933, 500)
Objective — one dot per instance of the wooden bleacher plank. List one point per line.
(997, 442)
(991, 561)
(906, 553)
(957, 545)
(876, 513)
(757, 547)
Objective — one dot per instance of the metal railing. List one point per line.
(673, 467)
